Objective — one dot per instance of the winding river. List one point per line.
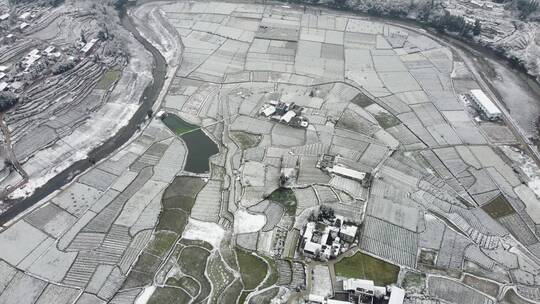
(147, 99)
(486, 62)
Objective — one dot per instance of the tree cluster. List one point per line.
(526, 7)
(326, 214)
(120, 4)
(7, 100)
(457, 24)
(62, 67)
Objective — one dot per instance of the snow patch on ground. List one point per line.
(245, 222)
(145, 295)
(204, 231)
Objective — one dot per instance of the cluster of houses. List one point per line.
(481, 4)
(24, 19)
(329, 164)
(326, 237)
(287, 113)
(357, 291)
(32, 62)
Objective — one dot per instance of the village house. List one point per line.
(326, 238)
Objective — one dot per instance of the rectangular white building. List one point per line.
(288, 116)
(348, 173)
(88, 47)
(489, 108)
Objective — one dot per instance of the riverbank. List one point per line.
(120, 138)
(517, 92)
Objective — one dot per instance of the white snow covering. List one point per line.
(50, 161)
(100, 126)
(166, 43)
(204, 231)
(40, 174)
(245, 222)
(528, 166)
(145, 295)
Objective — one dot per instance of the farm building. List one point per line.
(482, 101)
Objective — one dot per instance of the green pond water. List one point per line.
(200, 146)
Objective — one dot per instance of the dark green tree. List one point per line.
(526, 7)
(477, 28)
(119, 4)
(340, 3)
(7, 100)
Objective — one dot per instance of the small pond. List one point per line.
(200, 146)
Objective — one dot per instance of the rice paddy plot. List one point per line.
(499, 207)
(245, 140)
(362, 100)
(487, 287)
(181, 193)
(192, 261)
(363, 266)
(186, 283)
(252, 269)
(168, 295)
(162, 242)
(219, 276)
(172, 220)
(231, 294)
(108, 79)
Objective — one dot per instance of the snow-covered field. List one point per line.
(245, 222)
(204, 231)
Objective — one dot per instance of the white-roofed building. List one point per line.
(348, 233)
(268, 111)
(3, 86)
(88, 47)
(25, 16)
(33, 52)
(4, 17)
(354, 284)
(346, 172)
(24, 25)
(482, 101)
(312, 249)
(17, 85)
(49, 50)
(288, 116)
(31, 58)
(363, 287)
(397, 295)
